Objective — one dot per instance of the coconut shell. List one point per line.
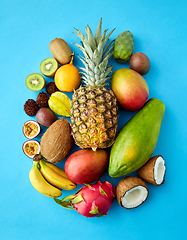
(146, 172)
(126, 184)
(57, 141)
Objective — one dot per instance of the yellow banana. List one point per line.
(56, 169)
(54, 178)
(40, 184)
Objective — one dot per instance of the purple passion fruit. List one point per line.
(31, 129)
(45, 116)
(140, 63)
(31, 148)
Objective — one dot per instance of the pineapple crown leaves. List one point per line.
(96, 55)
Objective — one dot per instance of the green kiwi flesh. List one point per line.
(35, 82)
(48, 67)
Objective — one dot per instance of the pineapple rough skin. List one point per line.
(94, 117)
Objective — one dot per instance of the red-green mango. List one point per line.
(137, 139)
(130, 88)
(86, 166)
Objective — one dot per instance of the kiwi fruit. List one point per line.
(35, 82)
(60, 50)
(48, 67)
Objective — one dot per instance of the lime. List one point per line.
(60, 103)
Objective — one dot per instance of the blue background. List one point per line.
(159, 29)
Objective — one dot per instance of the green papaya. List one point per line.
(137, 139)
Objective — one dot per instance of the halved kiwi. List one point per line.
(48, 67)
(35, 82)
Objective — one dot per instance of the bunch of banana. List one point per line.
(49, 179)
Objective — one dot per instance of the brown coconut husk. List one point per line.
(57, 141)
(146, 172)
(127, 184)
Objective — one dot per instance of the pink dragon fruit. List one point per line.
(92, 200)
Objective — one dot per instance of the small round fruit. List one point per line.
(31, 107)
(67, 78)
(31, 129)
(60, 50)
(45, 117)
(35, 82)
(140, 63)
(48, 67)
(31, 147)
(51, 88)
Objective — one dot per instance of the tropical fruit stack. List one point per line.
(92, 126)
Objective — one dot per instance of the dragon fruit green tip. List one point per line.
(92, 200)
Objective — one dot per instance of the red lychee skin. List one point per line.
(93, 197)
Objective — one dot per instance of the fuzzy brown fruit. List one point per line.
(57, 141)
(131, 192)
(153, 171)
(60, 50)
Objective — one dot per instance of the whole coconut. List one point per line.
(57, 141)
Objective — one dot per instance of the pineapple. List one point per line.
(94, 108)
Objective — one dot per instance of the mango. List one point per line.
(137, 139)
(86, 166)
(130, 88)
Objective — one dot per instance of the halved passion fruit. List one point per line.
(31, 129)
(31, 148)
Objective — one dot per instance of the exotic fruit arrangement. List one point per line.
(88, 117)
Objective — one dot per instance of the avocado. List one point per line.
(137, 139)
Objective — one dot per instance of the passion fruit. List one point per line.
(31, 148)
(31, 129)
(45, 116)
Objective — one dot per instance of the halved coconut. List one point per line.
(31, 147)
(31, 129)
(131, 192)
(153, 171)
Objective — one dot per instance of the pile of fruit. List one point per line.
(93, 112)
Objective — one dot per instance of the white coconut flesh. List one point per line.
(159, 170)
(134, 197)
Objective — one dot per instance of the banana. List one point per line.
(56, 169)
(54, 178)
(40, 184)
